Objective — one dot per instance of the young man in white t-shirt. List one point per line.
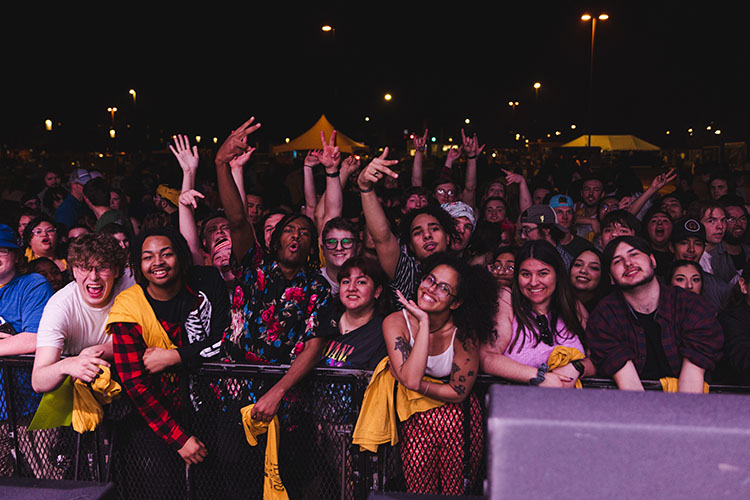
(73, 320)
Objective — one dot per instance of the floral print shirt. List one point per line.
(273, 317)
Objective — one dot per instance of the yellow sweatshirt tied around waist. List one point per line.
(273, 488)
(563, 355)
(377, 423)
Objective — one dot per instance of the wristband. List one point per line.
(335, 174)
(578, 365)
(543, 368)
(366, 190)
(472, 157)
(307, 166)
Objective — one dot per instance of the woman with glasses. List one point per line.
(41, 239)
(503, 265)
(439, 335)
(539, 314)
(339, 243)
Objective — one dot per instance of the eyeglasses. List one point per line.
(732, 220)
(545, 335)
(48, 231)
(103, 270)
(443, 289)
(524, 231)
(500, 268)
(444, 192)
(333, 243)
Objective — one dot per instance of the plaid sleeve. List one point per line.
(609, 350)
(701, 337)
(129, 347)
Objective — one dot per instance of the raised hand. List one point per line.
(186, 156)
(313, 157)
(471, 145)
(453, 155)
(190, 198)
(420, 143)
(236, 143)
(375, 171)
(239, 161)
(349, 166)
(331, 156)
(513, 178)
(662, 180)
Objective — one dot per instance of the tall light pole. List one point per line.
(587, 18)
(112, 112)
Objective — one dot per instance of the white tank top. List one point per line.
(437, 366)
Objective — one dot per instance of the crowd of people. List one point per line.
(428, 268)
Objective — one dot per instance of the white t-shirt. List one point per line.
(68, 323)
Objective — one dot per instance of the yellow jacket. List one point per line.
(87, 403)
(672, 384)
(376, 423)
(563, 355)
(131, 306)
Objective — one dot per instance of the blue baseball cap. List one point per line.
(7, 237)
(561, 200)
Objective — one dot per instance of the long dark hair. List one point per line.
(370, 268)
(604, 286)
(562, 304)
(477, 289)
(179, 245)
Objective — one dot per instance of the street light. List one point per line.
(586, 18)
(388, 97)
(132, 92)
(48, 125)
(326, 28)
(537, 86)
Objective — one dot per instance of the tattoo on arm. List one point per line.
(403, 347)
(460, 389)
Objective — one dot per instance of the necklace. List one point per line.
(441, 326)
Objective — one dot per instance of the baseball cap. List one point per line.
(460, 209)
(540, 214)
(561, 200)
(687, 228)
(81, 176)
(7, 237)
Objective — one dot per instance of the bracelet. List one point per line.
(424, 393)
(543, 368)
(308, 166)
(335, 174)
(472, 157)
(366, 190)
(578, 365)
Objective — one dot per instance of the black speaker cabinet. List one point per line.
(608, 444)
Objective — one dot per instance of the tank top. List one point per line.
(535, 355)
(437, 366)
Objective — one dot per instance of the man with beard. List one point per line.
(729, 257)
(648, 330)
(592, 192)
(281, 298)
(539, 222)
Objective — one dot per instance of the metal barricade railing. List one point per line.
(316, 455)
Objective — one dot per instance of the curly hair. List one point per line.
(444, 219)
(478, 291)
(101, 248)
(563, 302)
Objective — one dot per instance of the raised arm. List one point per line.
(188, 159)
(524, 195)
(334, 196)
(473, 150)
(348, 167)
(386, 244)
(659, 182)
(237, 166)
(453, 155)
(242, 232)
(408, 362)
(420, 147)
(308, 175)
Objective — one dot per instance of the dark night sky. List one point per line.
(658, 66)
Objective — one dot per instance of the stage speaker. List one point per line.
(24, 488)
(599, 443)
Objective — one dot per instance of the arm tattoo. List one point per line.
(454, 369)
(403, 347)
(460, 389)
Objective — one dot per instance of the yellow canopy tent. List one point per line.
(612, 143)
(311, 139)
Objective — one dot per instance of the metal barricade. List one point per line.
(443, 450)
